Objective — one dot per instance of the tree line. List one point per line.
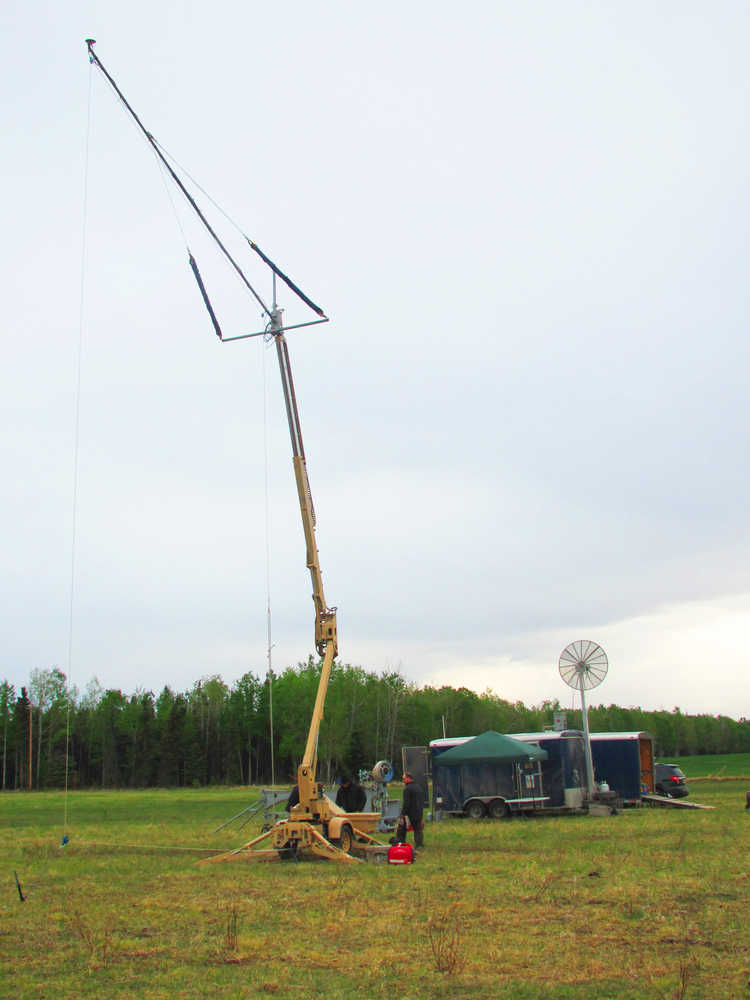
(216, 733)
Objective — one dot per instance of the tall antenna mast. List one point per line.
(268, 590)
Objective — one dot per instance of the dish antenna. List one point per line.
(583, 666)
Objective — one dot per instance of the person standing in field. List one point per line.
(411, 809)
(351, 795)
(293, 799)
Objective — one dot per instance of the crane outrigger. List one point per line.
(316, 824)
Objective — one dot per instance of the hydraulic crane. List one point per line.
(315, 824)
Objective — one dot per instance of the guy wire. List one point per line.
(202, 190)
(163, 176)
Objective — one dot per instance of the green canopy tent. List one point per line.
(489, 747)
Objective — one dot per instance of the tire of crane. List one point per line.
(346, 841)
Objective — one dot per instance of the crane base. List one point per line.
(291, 839)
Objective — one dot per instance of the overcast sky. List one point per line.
(527, 421)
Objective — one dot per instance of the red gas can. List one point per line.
(401, 854)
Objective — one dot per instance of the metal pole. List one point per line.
(268, 591)
(30, 741)
(270, 700)
(587, 745)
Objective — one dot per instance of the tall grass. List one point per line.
(648, 904)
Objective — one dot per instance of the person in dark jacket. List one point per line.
(351, 795)
(293, 799)
(411, 809)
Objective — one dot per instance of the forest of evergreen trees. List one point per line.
(220, 734)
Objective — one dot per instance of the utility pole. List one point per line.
(31, 716)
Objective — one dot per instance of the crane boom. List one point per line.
(326, 640)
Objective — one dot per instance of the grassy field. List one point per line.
(726, 765)
(652, 903)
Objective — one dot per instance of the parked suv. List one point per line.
(669, 780)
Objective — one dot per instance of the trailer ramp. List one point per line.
(663, 800)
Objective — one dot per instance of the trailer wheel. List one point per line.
(475, 809)
(499, 809)
(346, 841)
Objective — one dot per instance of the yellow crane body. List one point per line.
(316, 825)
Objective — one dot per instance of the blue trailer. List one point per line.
(564, 771)
(625, 761)
(553, 781)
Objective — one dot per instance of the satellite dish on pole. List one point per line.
(583, 666)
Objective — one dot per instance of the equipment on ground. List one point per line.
(382, 772)
(401, 854)
(272, 801)
(583, 665)
(375, 783)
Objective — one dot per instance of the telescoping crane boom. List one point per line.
(315, 823)
(326, 638)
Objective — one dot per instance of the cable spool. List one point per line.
(383, 771)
